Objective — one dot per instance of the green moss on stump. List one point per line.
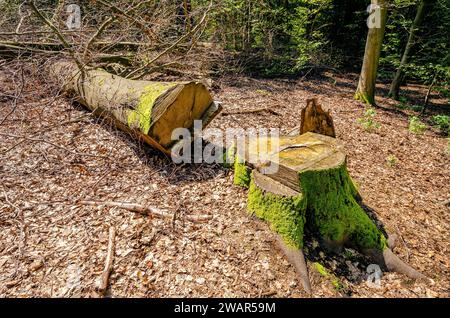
(286, 215)
(327, 203)
(323, 272)
(334, 212)
(241, 173)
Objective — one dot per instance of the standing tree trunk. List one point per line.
(421, 11)
(366, 86)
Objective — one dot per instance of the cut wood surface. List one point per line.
(149, 110)
(293, 154)
(104, 280)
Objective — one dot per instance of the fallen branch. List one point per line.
(146, 210)
(53, 144)
(133, 74)
(251, 111)
(101, 289)
(59, 35)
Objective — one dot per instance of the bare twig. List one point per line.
(170, 48)
(251, 111)
(126, 14)
(146, 210)
(59, 35)
(108, 262)
(100, 30)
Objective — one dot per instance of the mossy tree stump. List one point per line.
(148, 110)
(313, 189)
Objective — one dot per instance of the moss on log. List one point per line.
(150, 110)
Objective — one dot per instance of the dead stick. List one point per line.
(251, 111)
(182, 38)
(146, 210)
(109, 261)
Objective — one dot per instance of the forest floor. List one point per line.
(54, 153)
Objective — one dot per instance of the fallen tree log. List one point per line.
(311, 188)
(148, 110)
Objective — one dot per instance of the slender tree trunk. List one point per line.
(366, 86)
(421, 11)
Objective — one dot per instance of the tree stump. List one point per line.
(312, 188)
(315, 119)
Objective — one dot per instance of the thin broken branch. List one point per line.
(252, 111)
(146, 210)
(101, 289)
(170, 48)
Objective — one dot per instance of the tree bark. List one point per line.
(366, 85)
(399, 75)
(148, 110)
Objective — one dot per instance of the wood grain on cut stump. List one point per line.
(291, 155)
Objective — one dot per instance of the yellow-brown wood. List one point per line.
(293, 154)
(315, 119)
(148, 110)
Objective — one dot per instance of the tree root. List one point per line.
(393, 263)
(297, 259)
(392, 241)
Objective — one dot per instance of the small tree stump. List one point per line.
(315, 119)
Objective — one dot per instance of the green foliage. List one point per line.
(429, 58)
(368, 120)
(442, 121)
(391, 160)
(443, 91)
(404, 104)
(416, 126)
(286, 37)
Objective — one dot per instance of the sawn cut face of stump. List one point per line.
(291, 155)
(314, 166)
